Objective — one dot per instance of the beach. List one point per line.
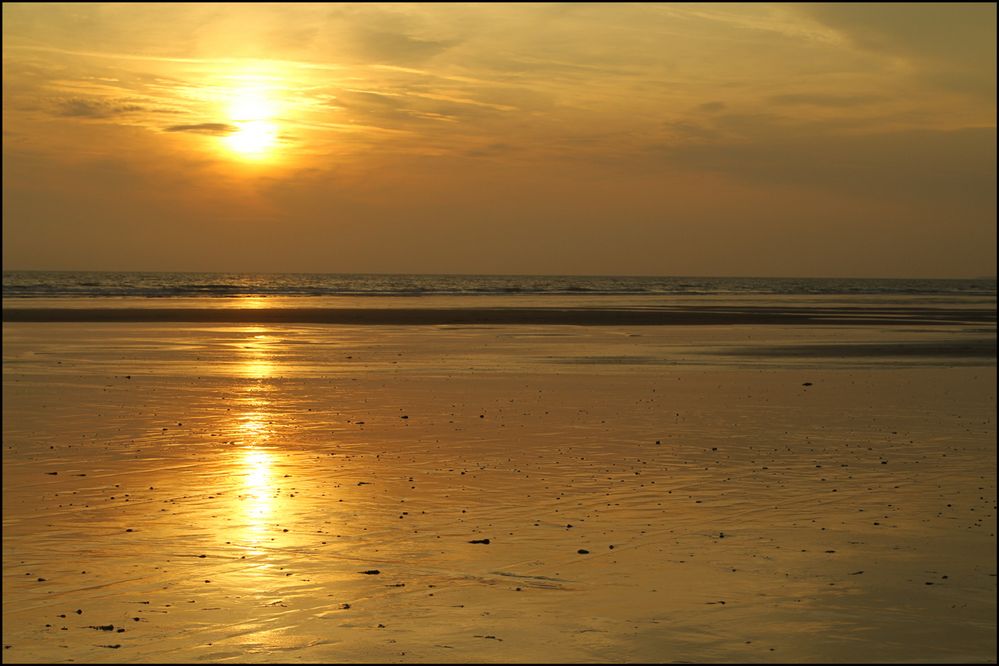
(274, 489)
(540, 333)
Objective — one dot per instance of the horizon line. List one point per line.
(548, 275)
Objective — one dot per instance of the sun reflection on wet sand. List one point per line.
(255, 461)
(256, 361)
(258, 369)
(250, 303)
(256, 493)
(253, 425)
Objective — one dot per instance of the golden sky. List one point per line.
(664, 139)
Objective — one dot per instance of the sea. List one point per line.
(25, 285)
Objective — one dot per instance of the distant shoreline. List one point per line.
(677, 316)
(57, 285)
(654, 276)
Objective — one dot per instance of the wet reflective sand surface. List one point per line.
(229, 492)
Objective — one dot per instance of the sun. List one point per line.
(254, 138)
(251, 112)
(250, 103)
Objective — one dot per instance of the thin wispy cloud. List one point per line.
(215, 129)
(95, 108)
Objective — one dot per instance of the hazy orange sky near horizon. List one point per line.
(658, 139)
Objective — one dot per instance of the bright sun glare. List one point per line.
(251, 110)
(252, 138)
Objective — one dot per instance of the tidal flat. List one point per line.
(234, 492)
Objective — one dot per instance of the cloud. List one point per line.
(496, 149)
(80, 107)
(823, 99)
(712, 107)
(215, 129)
(914, 165)
(952, 45)
(404, 109)
(683, 131)
(955, 31)
(396, 47)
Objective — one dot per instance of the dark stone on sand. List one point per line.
(41, 580)
(485, 541)
(856, 573)
(103, 627)
(79, 612)
(52, 473)
(807, 384)
(583, 551)
(371, 572)
(202, 556)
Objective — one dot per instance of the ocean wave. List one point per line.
(35, 284)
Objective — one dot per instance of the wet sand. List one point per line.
(741, 493)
